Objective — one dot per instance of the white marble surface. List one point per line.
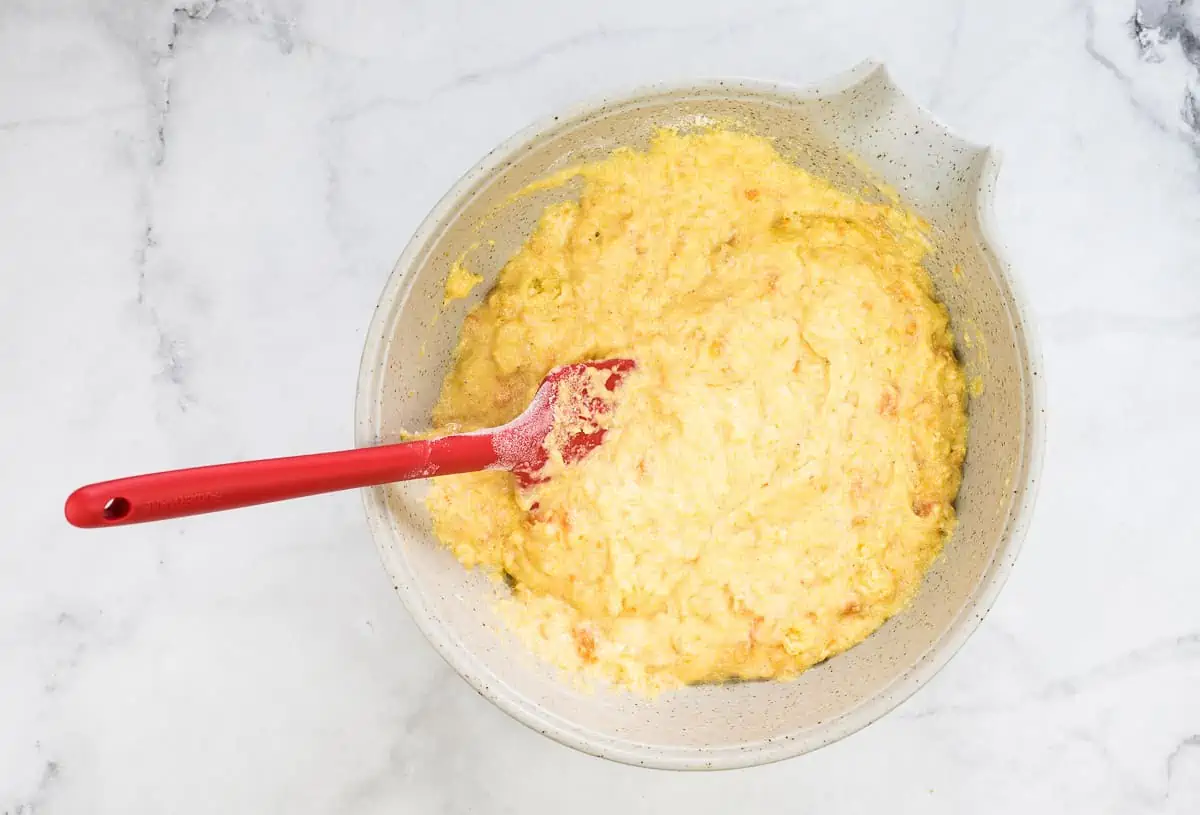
(198, 208)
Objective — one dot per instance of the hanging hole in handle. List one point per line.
(116, 508)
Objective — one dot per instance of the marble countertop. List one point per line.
(199, 204)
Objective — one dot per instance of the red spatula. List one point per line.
(567, 409)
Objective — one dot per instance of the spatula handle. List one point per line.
(193, 491)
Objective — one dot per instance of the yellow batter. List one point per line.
(780, 468)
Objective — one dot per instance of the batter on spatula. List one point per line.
(778, 471)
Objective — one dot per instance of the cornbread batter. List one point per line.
(779, 470)
(460, 282)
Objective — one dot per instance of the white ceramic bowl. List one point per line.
(409, 348)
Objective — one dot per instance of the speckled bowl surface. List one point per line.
(855, 126)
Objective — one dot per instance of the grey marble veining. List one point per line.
(199, 203)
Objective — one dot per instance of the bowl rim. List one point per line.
(968, 618)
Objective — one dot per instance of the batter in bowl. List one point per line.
(780, 468)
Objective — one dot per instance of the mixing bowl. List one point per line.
(856, 130)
